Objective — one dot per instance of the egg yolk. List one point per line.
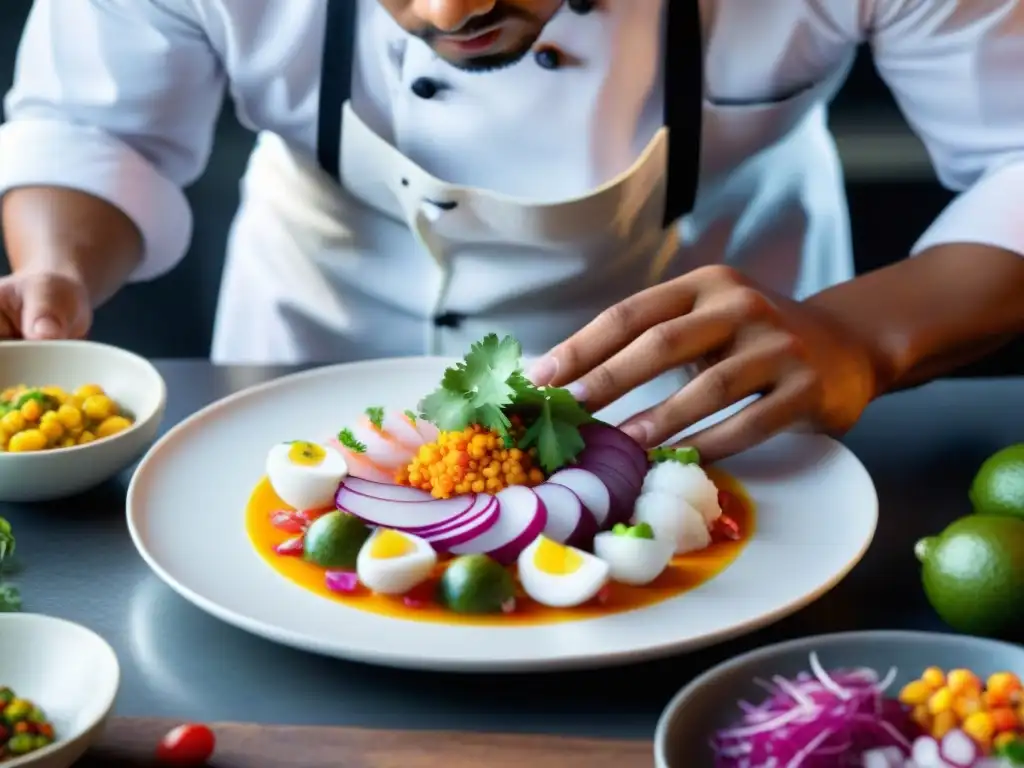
(306, 454)
(555, 559)
(389, 544)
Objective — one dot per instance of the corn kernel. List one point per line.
(27, 441)
(31, 411)
(69, 416)
(980, 727)
(961, 680)
(943, 723)
(99, 407)
(88, 390)
(112, 425)
(13, 422)
(921, 717)
(940, 701)
(965, 706)
(934, 677)
(86, 437)
(1002, 686)
(51, 428)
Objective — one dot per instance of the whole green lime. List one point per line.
(973, 574)
(998, 488)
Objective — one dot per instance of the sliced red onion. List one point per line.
(342, 581)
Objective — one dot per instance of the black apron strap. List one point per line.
(684, 105)
(684, 96)
(335, 82)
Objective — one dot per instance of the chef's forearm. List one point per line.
(928, 315)
(73, 233)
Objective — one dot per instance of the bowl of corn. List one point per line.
(73, 414)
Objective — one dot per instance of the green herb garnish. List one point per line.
(347, 439)
(1012, 751)
(411, 415)
(33, 394)
(684, 455)
(488, 387)
(10, 598)
(376, 416)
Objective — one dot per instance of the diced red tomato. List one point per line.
(420, 596)
(289, 521)
(293, 547)
(186, 745)
(725, 529)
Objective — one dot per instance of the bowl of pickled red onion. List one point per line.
(876, 699)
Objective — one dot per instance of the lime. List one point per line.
(998, 488)
(334, 540)
(973, 574)
(476, 584)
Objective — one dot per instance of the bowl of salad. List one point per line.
(58, 682)
(72, 415)
(875, 699)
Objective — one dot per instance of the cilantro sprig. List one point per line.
(488, 387)
(10, 597)
(347, 439)
(685, 455)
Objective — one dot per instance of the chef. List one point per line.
(630, 187)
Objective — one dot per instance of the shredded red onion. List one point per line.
(816, 720)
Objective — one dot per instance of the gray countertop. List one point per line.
(922, 447)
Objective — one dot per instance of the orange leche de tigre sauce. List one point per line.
(685, 573)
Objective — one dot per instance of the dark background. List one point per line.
(892, 190)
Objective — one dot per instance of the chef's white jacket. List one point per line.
(558, 173)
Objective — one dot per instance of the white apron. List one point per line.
(394, 261)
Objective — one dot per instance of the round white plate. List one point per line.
(817, 511)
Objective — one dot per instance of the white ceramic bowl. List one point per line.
(129, 379)
(68, 671)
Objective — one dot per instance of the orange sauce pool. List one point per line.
(685, 573)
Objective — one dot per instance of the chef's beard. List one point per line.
(487, 63)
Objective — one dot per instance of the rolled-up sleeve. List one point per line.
(118, 99)
(957, 71)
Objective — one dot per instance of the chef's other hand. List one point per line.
(809, 371)
(43, 305)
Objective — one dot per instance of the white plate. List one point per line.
(817, 511)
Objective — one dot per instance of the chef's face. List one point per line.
(475, 34)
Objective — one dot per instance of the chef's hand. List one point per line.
(43, 305)
(810, 372)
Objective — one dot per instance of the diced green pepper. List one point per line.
(684, 455)
(22, 744)
(638, 531)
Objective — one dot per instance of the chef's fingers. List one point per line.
(44, 311)
(749, 372)
(6, 329)
(661, 348)
(783, 408)
(611, 331)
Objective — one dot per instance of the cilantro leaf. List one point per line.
(411, 416)
(487, 369)
(557, 442)
(347, 439)
(7, 542)
(376, 416)
(448, 409)
(10, 598)
(683, 455)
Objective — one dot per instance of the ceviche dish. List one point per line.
(855, 717)
(493, 500)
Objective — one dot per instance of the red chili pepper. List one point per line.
(293, 547)
(186, 745)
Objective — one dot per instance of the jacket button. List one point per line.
(548, 58)
(425, 88)
(582, 7)
(449, 320)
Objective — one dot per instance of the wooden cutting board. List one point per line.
(130, 743)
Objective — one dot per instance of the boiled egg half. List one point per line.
(305, 475)
(633, 554)
(558, 576)
(394, 562)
